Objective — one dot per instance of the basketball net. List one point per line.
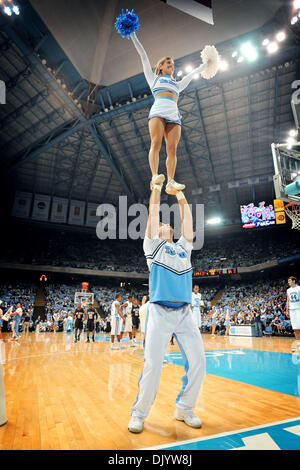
(293, 212)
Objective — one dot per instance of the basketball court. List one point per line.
(67, 396)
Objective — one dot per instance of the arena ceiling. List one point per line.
(67, 135)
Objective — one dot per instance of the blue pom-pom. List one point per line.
(127, 23)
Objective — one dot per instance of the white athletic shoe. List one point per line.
(188, 417)
(158, 179)
(135, 425)
(113, 346)
(122, 346)
(172, 187)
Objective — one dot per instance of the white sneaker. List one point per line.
(135, 425)
(172, 187)
(113, 346)
(188, 417)
(158, 179)
(122, 346)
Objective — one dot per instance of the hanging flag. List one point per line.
(201, 9)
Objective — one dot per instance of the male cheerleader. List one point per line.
(117, 320)
(195, 306)
(79, 316)
(293, 309)
(91, 316)
(168, 312)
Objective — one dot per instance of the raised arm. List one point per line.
(188, 78)
(149, 74)
(154, 208)
(186, 217)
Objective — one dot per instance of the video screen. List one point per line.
(261, 215)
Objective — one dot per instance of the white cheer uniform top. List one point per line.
(159, 83)
(170, 271)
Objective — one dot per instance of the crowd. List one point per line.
(85, 250)
(258, 303)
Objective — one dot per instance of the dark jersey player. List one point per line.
(135, 317)
(79, 316)
(91, 316)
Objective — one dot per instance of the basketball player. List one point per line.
(293, 309)
(117, 319)
(17, 315)
(91, 316)
(135, 318)
(127, 327)
(214, 318)
(55, 321)
(169, 312)
(195, 306)
(79, 316)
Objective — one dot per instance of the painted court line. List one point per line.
(217, 436)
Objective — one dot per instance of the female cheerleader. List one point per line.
(164, 117)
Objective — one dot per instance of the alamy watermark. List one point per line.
(2, 92)
(115, 224)
(296, 94)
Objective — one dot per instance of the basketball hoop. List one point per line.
(293, 211)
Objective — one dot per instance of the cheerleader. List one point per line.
(164, 119)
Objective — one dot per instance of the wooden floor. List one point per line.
(61, 395)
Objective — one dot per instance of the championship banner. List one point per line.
(201, 9)
(91, 218)
(59, 210)
(22, 204)
(76, 214)
(41, 207)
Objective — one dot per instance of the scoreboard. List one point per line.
(215, 272)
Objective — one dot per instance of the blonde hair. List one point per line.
(157, 70)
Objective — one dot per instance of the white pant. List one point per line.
(116, 325)
(197, 316)
(295, 318)
(127, 328)
(161, 322)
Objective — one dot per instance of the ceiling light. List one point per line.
(214, 221)
(188, 68)
(272, 47)
(265, 42)
(293, 133)
(280, 36)
(223, 65)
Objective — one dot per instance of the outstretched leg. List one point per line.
(156, 130)
(172, 136)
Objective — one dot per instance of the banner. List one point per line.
(214, 188)
(22, 204)
(41, 207)
(201, 9)
(91, 218)
(59, 210)
(76, 214)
